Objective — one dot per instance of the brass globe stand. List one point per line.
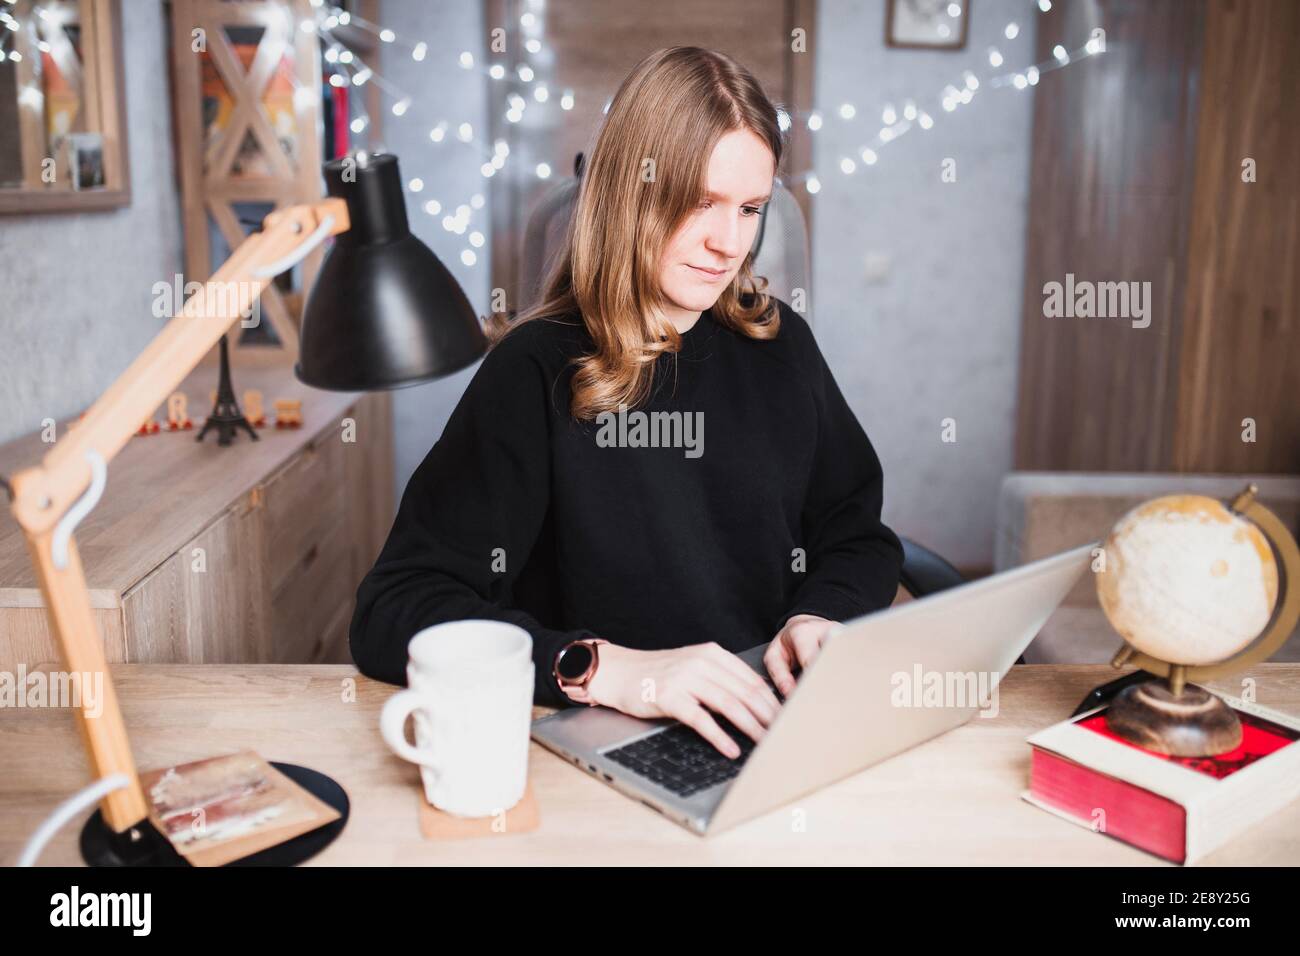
(1173, 718)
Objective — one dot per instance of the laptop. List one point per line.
(880, 684)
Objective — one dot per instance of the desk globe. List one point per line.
(1191, 584)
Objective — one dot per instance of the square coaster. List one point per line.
(436, 824)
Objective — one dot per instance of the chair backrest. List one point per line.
(781, 252)
(925, 572)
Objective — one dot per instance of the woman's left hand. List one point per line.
(797, 644)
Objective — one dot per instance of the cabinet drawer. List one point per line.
(302, 504)
(310, 597)
(204, 604)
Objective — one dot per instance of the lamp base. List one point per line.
(143, 845)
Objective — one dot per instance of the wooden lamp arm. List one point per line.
(43, 495)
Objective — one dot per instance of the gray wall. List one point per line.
(935, 333)
(77, 287)
(440, 90)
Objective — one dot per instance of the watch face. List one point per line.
(574, 661)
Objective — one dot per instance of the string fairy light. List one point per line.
(348, 69)
(894, 126)
(950, 99)
(895, 123)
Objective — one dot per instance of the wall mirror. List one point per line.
(62, 106)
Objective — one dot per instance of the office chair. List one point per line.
(926, 573)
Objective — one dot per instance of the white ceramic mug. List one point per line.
(471, 693)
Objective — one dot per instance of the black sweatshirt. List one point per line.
(759, 500)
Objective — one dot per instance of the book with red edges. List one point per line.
(1178, 808)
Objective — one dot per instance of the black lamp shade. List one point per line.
(384, 312)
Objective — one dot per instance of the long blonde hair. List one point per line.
(672, 109)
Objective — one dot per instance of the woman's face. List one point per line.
(709, 248)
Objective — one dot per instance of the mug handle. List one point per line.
(392, 725)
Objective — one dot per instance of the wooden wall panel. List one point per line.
(1137, 175)
(1241, 353)
(1110, 200)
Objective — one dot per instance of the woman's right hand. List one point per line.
(686, 683)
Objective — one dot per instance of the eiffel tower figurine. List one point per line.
(226, 417)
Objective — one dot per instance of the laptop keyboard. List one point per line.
(680, 760)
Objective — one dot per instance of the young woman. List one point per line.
(573, 492)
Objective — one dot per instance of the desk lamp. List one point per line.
(384, 313)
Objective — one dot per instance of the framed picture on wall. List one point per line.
(927, 24)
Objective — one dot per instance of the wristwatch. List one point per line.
(575, 666)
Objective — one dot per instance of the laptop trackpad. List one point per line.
(592, 728)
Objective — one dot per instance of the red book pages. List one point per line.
(1132, 814)
(1259, 738)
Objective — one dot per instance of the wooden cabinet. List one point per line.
(201, 554)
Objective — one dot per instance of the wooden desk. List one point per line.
(954, 800)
